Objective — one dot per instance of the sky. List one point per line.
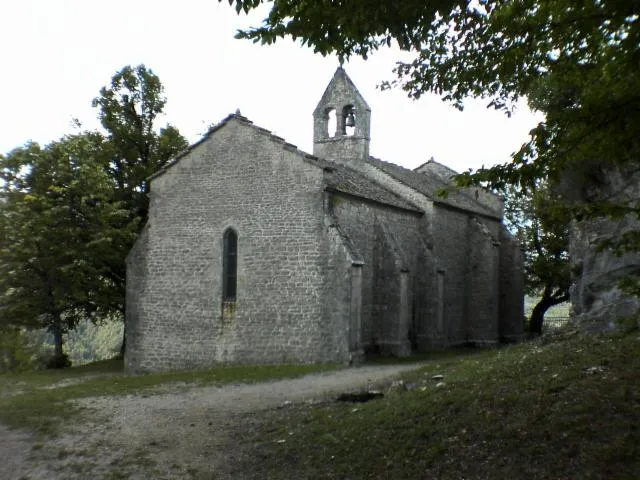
(56, 55)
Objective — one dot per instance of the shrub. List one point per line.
(59, 361)
(20, 349)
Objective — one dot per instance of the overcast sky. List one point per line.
(56, 55)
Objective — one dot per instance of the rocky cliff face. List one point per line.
(598, 303)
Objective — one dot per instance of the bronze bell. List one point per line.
(350, 120)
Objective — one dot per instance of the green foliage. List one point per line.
(94, 341)
(70, 211)
(344, 28)
(20, 350)
(128, 110)
(576, 62)
(58, 222)
(630, 323)
(540, 223)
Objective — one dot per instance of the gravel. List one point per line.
(187, 434)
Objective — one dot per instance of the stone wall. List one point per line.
(386, 321)
(323, 274)
(511, 327)
(135, 290)
(482, 294)
(453, 289)
(451, 251)
(389, 241)
(244, 179)
(354, 149)
(467, 254)
(343, 289)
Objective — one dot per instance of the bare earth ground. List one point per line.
(195, 433)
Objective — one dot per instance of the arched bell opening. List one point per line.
(330, 122)
(348, 127)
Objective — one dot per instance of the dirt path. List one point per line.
(176, 435)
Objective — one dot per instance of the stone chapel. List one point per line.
(256, 252)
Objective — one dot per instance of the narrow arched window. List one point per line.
(229, 265)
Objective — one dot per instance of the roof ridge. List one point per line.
(457, 200)
(232, 116)
(435, 162)
(410, 171)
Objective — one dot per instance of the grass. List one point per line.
(565, 408)
(428, 356)
(41, 400)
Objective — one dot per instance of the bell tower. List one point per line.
(341, 122)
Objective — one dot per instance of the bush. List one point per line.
(20, 350)
(89, 342)
(59, 361)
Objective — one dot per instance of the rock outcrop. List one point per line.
(598, 303)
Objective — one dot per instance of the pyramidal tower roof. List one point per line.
(341, 122)
(342, 85)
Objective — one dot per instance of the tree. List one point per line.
(575, 61)
(129, 109)
(58, 222)
(541, 225)
(345, 28)
(70, 211)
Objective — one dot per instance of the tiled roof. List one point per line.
(432, 185)
(346, 180)
(436, 168)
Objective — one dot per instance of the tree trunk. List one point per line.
(547, 301)
(123, 312)
(59, 359)
(57, 341)
(123, 346)
(537, 316)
